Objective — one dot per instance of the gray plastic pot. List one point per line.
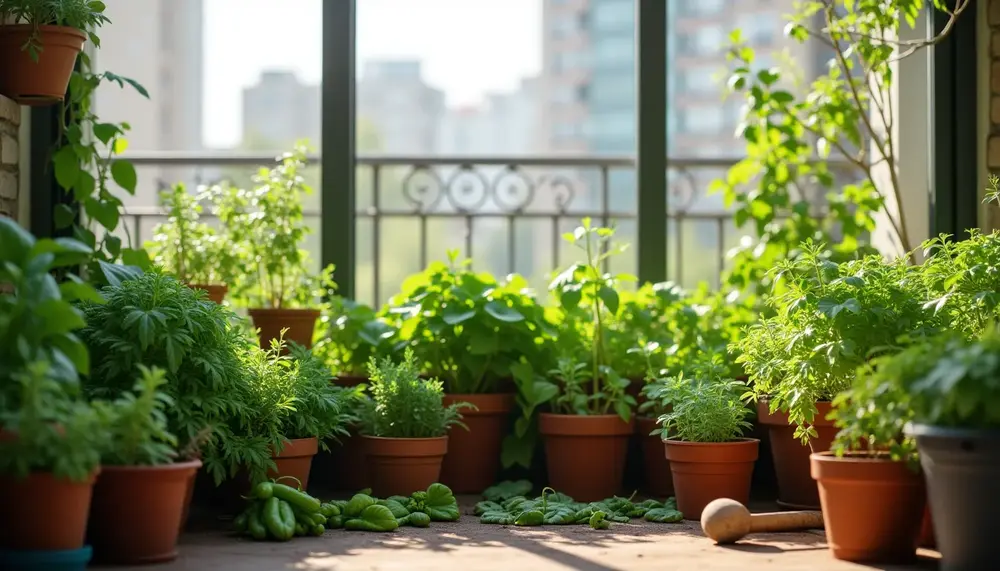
(962, 468)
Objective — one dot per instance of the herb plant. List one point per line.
(318, 406)
(266, 223)
(156, 321)
(137, 423)
(84, 15)
(187, 247)
(704, 410)
(38, 321)
(830, 320)
(466, 328)
(49, 430)
(403, 405)
(586, 284)
(349, 334)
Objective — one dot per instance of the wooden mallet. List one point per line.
(728, 521)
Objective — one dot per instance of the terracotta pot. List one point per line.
(41, 82)
(216, 292)
(188, 497)
(872, 507)
(349, 465)
(706, 471)
(350, 380)
(301, 324)
(137, 510)
(926, 538)
(585, 455)
(42, 512)
(295, 461)
(796, 488)
(658, 480)
(401, 466)
(473, 458)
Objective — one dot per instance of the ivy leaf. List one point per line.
(66, 167)
(124, 174)
(105, 213)
(106, 131)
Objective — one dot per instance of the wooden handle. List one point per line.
(785, 521)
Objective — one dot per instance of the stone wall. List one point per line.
(10, 119)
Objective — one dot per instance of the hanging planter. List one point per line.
(38, 76)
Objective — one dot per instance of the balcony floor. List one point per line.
(470, 546)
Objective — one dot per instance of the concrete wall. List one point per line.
(988, 16)
(10, 154)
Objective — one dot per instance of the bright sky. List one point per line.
(469, 47)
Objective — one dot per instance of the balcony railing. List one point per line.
(506, 212)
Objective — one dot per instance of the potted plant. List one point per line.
(587, 430)
(476, 335)
(953, 392)
(703, 441)
(194, 252)
(870, 485)
(139, 500)
(349, 334)
(829, 320)
(293, 406)
(50, 439)
(39, 43)
(266, 223)
(155, 320)
(405, 426)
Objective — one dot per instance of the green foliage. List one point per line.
(38, 322)
(659, 389)
(84, 15)
(553, 508)
(155, 320)
(586, 284)
(48, 430)
(137, 423)
(506, 490)
(790, 137)
(403, 405)
(266, 225)
(703, 409)
(191, 250)
(349, 334)
(466, 328)
(954, 381)
(832, 319)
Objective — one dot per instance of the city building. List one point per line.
(401, 107)
(158, 43)
(507, 123)
(279, 110)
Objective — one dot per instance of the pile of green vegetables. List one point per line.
(553, 508)
(279, 512)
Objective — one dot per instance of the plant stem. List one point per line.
(598, 332)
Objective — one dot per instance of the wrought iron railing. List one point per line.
(505, 212)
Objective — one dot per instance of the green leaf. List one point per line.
(503, 312)
(663, 515)
(455, 316)
(137, 258)
(441, 504)
(610, 298)
(105, 213)
(63, 216)
(16, 242)
(67, 252)
(116, 274)
(66, 167)
(124, 174)
(105, 131)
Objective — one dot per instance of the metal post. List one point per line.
(651, 112)
(337, 150)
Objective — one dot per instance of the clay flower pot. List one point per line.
(926, 538)
(137, 510)
(295, 460)
(301, 324)
(41, 82)
(706, 471)
(216, 292)
(44, 513)
(657, 479)
(349, 380)
(473, 458)
(401, 466)
(796, 488)
(585, 455)
(873, 507)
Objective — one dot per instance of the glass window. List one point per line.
(710, 40)
(614, 89)
(613, 124)
(699, 80)
(614, 14)
(702, 120)
(700, 7)
(615, 51)
(761, 28)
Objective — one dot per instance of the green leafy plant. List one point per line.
(790, 136)
(188, 248)
(704, 410)
(266, 223)
(466, 328)
(49, 430)
(84, 15)
(38, 321)
(661, 379)
(586, 284)
(830, 320)
(155, 320)
(137, 423)
(554, 508)
(349, 334)
(403, 405)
